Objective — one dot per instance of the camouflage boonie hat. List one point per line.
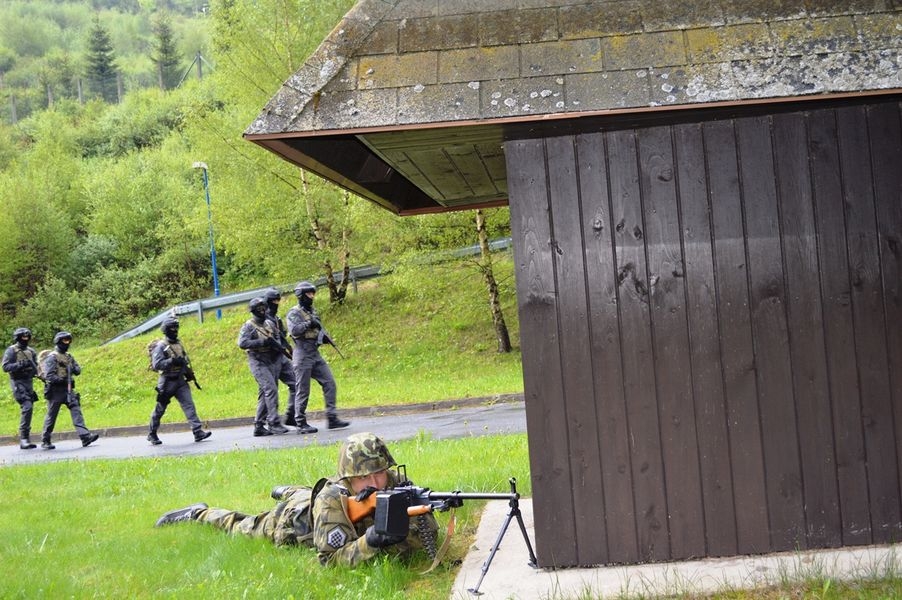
(363, 454)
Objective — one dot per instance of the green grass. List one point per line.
(405, 341)
(86, 530)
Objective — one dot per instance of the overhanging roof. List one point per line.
(408, 102)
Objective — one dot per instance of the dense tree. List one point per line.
(101, 71)
(165, 53)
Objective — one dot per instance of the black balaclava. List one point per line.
(63, 340)
(170, 329)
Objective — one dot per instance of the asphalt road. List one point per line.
(444, 421)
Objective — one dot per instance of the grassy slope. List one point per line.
(429, 340)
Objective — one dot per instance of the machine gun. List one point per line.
(393, 508)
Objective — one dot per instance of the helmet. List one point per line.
(272, 295)
(363, 454)
(21, 332)
(61, 336)
(257, 306)
(304, 287)
(170, 327)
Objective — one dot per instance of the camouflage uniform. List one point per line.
(337, 540)
(340, 542)
(285, 525)
(21, 362)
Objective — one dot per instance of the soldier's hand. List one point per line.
(316, 322)
(375, 539)
(179, 361)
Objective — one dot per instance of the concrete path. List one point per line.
(440, 420)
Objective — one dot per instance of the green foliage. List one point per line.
(96, 508)
(101, 71)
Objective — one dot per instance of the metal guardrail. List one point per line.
(227, 300)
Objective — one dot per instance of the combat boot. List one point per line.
(278, 428)
(46, 445)
(200, 435)
(289, 419)
(88, 439)
(261, 431)
(154, 439)
(304, 427)
(336, 423)
(25, 444)
(189, 513)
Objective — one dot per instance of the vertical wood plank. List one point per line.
(637, 352)
(679, 442)
(605, 350)
(885, 134)
(767, 297)
(842, 366)
(809, 375)
(704, 342)
(540, 347)
(746, 452)
(869, 321)
(576, 370)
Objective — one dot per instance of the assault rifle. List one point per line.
(190, 377)
(393, 508)
(325, 338)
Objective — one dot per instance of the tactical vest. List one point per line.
(263, 331)
(63, 364)
(309, 334)
(172, 350)
(26, 354)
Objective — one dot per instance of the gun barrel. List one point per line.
(472, 495)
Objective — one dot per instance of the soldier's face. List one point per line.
(376, 480)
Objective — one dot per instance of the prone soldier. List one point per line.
(318, 516)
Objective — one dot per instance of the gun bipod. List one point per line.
(514, 512)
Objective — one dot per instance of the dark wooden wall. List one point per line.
(711, 327)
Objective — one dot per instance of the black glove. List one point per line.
(22, 365)
(315, 322)
(179, 361)
(381, 540)
(274, 343)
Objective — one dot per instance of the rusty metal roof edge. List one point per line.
(569, 115)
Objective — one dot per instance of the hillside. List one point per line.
(406, 337)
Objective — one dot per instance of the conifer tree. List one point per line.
(101, 71)
(165, 54)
